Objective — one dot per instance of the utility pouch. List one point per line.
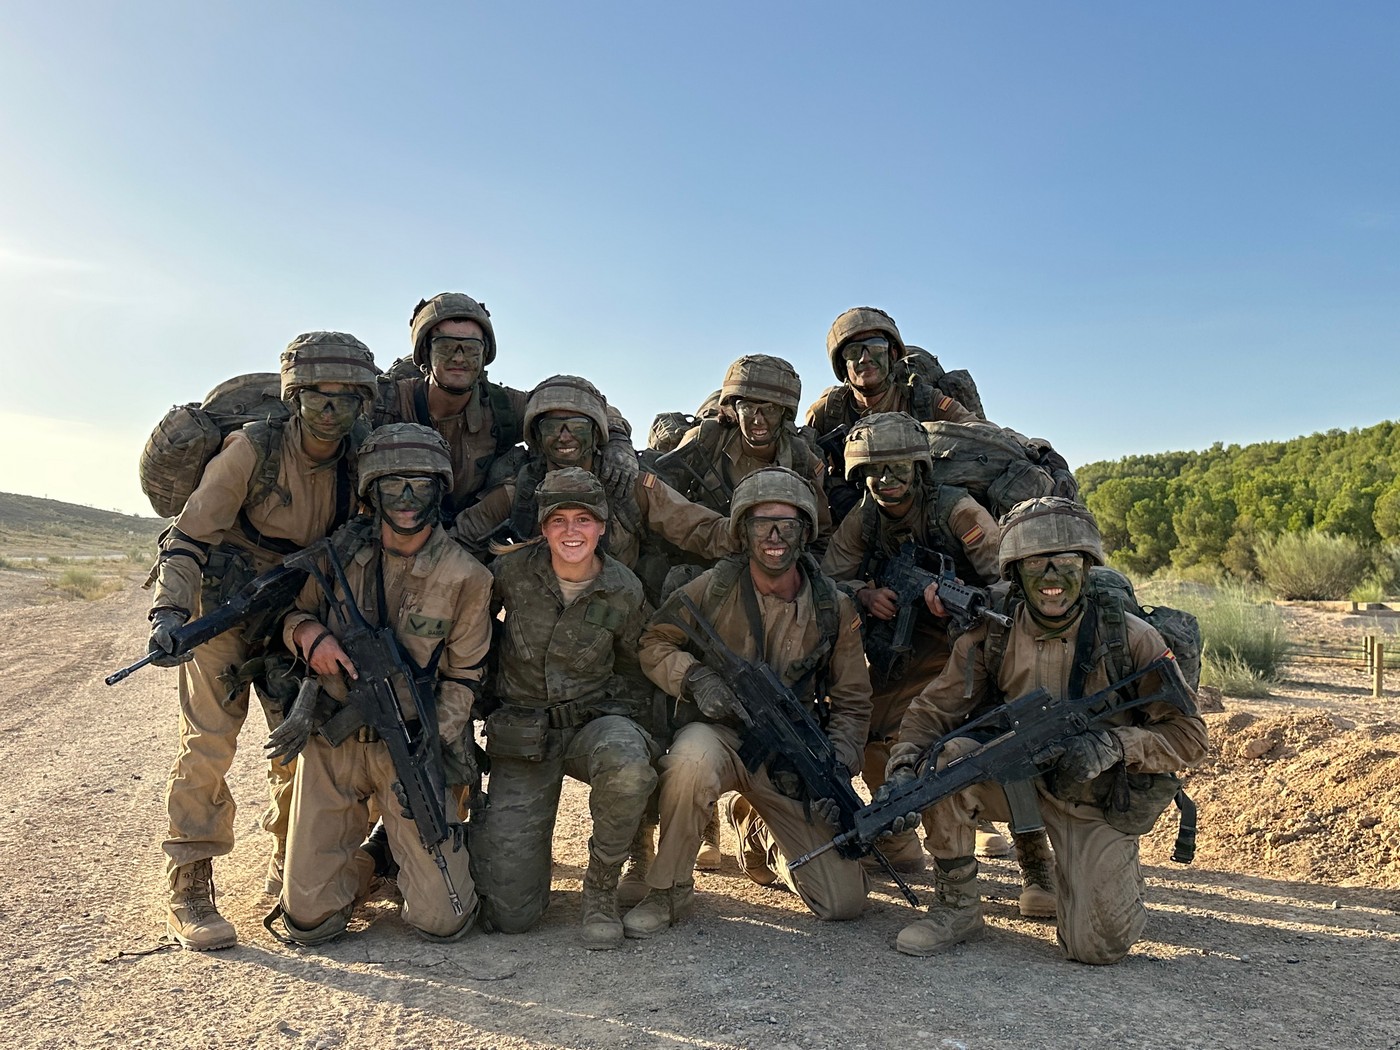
(1138, 799)
(517, 732)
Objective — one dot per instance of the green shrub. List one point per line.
(1371, 589)
(84, 584)
(5, 563)
(1312, 565)
(1243, 639)
(1233, 677)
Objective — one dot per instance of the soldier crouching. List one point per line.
(571, 697)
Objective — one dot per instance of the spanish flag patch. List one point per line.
(943, 405)
(648, 480)
(855, 624)
(972, 535)
(1167, 654)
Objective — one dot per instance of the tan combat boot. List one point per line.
(659, 910)
(955, 916)
(192, 918)
(1037, 874)
(640, 854)
(990, 841)
(710, 857)
(602, 929)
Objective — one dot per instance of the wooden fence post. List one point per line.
(1378, 682)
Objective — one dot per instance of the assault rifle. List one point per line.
(779, 725)
(1021, 739)
(273, 591)
(708, 480)
(888, 643)
(386, 681)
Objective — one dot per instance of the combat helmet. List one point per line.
(404, 448)
(1047, 525)
(327, 357)
(772, 485)
(571, 487)
(759, 377)
(448, 306)
(886, 437)
(854, 321)
(571, 394)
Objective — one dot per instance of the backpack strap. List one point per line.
(812, 672)
(421, 415)
(920, 398)
(506, 426)
(869, 532)
(1003, 599)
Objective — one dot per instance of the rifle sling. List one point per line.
(748, 597)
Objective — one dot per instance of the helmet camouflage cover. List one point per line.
(404, 448)
(886, 437)
(854, 321)
(448, 306)
(571, 487)
(759, 377)
(1047, 525)
(326, 357)
(568, 394)
(772, 485)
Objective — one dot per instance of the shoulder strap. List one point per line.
(1003, 600)
(920, 398)
(869, 531)
(1113, 631)
(420, 403)
(505, 426)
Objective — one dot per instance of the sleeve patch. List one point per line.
(973, 535)
(943, 405)
(855, 623)
(1167, 654)
(648, 480)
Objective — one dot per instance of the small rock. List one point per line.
(1244, 958)
(64, 982)
(1258, 747)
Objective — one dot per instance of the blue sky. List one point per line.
(1141, 227)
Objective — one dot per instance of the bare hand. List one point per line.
(329, 658)
(934, 603)
(879, 602)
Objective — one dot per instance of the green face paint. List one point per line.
(774, 544)
(1053, 585)
(456, 363)
(567, 441)
(328, 417)
(759, 421)
(406, 502)
(890, 483)
(867, 365)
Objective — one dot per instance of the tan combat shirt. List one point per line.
(300, 508)
(1035, 658)
(664, 511)
(553, 650)
(896, 398)
(791, 632)
(440, 596)
(975, 529)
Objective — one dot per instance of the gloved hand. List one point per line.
(827, 811)
(289, 739)
(895, 780)
(401, 796)
(459, 763)
(620, 467)
(164, 623)
(709, 693)
(1089, 754)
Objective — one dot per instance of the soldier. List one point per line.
(772, 605)
(764, 394)
(453, 343)
(865, 347)
(565, 422)
(272, 489)
(408, 574)
(1047, 547)
(572, 701)
(903, 503)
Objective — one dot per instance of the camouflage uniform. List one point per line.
(943, 519)
(438, 601)
(1099, 885)
(231, 529)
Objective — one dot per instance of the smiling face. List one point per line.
(868, 360)
(759, 421)
(1053, 584)
(775, 534)
(456, 351)
(567, 439)
(572, 534)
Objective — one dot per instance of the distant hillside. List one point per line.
(30, 525)
(1209, 507)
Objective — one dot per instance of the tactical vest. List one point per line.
(696, 469)
(932, 529)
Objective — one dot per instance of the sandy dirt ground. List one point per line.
(1286, 932)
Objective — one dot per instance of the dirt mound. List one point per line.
(1310, 797)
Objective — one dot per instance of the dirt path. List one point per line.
(1249, 948)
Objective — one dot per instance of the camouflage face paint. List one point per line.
(1053, 585)
(328, 416)
(567, 440)
(759, 421)
(890, 483)
(456, 363)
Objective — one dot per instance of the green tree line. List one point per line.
(1211, 508)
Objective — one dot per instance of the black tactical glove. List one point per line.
(1089, 754)
(706, 689)
(827, 811)
(895, 781)
(289, 739)
(164, 623)
(620, 467)
(459, 763)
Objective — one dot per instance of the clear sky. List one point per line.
(1141, 226)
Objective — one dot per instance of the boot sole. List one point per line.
(1037, 913)
(185, 942)
(920, 953)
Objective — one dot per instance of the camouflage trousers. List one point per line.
(703, 764)
(326, 872)
(513, 831)
(197, 798)
(1098, 888)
